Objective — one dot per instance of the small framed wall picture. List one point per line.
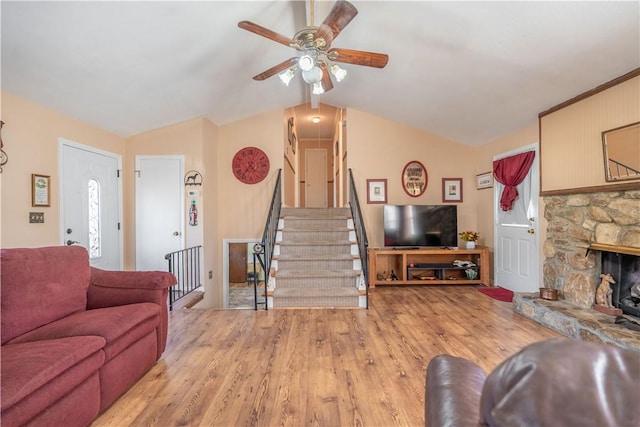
(40, 190)
(452, 190)
(484, 180)
(376, 191)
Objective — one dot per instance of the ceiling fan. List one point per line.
(316, 57)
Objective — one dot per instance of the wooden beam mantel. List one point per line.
(613, 248)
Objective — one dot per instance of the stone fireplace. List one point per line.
(575, 223)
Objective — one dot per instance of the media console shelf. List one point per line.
(427, 266)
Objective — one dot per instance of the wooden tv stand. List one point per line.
(427, 266)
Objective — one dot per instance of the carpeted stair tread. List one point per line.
(315, 292)
(315, 263)
(314, 243)
(306, 257)
(312, 229)
(317, 273)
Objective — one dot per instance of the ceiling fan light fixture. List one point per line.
(287, 75)
(317, 88)
(312, 76)
(306, 62)
(338, 72)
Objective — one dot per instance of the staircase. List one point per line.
(316, 261)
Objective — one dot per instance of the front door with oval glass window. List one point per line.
(90, 198)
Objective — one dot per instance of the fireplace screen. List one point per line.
(625, 270)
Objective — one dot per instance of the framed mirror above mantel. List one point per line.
(621, 148)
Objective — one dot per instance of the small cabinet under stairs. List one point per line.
(428, 266)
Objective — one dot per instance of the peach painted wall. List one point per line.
(379, 148)
(181, 139)
(242, 208)
(571, 138)
(31, 140)
(485, 197)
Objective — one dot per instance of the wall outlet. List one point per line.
(36, 217)
(210, 274)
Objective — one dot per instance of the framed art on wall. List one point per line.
(452, 190)
(414, 178)
(376, 191)
(484, 180)
(40, 190)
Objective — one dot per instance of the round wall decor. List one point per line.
(250, 165)
(414, 178)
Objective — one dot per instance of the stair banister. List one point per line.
(361, 232)
(269, 236)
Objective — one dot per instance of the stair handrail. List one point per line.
(361, 233)
(269, 234)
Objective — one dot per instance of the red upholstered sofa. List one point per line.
(74, 338)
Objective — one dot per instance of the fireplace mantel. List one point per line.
(614, 248)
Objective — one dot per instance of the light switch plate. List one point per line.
(36, 217)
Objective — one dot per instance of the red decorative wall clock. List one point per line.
(250, 165)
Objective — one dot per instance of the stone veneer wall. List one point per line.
(574, 221)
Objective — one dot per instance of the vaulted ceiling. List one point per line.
(468, 71)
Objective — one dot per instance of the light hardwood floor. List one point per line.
(324, 367)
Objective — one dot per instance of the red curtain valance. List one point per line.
(510, 172)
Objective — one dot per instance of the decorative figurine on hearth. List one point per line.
(604, 291)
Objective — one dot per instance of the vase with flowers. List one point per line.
(470, 237)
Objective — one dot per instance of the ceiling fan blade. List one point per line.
(276, 69)
(341, 14)
(359, 57)
(327, 84)
(265, 32)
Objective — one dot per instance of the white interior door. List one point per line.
(159, 210)
(517, 255)
(316, 178)
(91, 203)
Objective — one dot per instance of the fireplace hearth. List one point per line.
(580, 229)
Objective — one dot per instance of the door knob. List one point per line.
(176, 233)
(71, 242)
(531, 231)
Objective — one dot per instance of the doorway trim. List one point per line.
(62, 142)
(225, 266)
(535, 147)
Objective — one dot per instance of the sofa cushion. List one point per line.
(37, 374)
(564, 382)
(120, 326)
(41, 285)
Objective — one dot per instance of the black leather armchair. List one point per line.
(558, 382)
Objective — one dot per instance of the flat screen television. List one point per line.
(420, 225)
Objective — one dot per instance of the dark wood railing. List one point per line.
(361, 232)
(185, 265)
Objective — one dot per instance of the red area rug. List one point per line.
(501, 294)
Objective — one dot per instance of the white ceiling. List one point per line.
(468, 71)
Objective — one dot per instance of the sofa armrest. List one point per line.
(113, 288)
(564, 382)
(453, 390)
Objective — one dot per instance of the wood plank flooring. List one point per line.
(319, 367)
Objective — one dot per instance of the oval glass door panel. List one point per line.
(414, 179)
